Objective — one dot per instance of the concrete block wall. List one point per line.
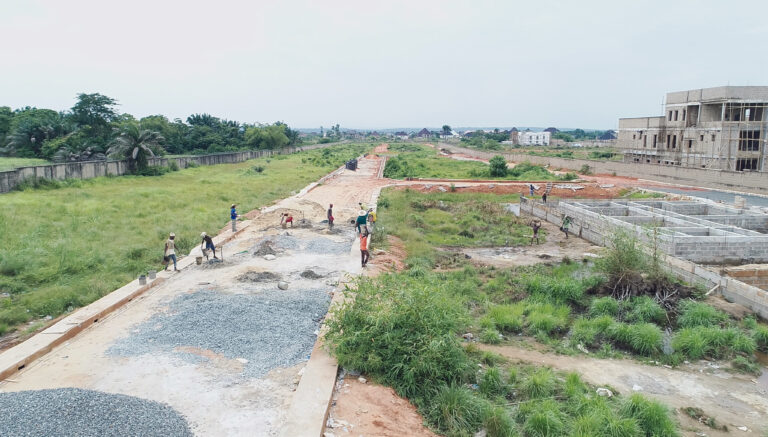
(92, 169)
(732, 289)
(755, 182)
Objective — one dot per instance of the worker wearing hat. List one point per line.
(208, 242)
(362, 219)
(170, 251)
(233, 216)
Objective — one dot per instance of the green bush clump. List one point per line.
(556, 289)
(540, 384)
(455, 410)
(490, 336)
(694, 314)
(492, 383)
(746, 365)
(604, 306)
(643, 309)
(645, 338)
(714, 342)
(760, 335)
(507, 318)
(547, 318)
(545, 420)
(498, 423)
(590, 332)
(652, 417)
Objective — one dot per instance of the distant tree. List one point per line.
(135, 145)
(498, 166)
(6, 117)
(30, 127)
(270, 136)
(94, 109)
(446, 129)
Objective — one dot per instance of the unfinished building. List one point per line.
(695, 231)
(722, 128)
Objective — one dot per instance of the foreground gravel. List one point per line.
(75, 412)
(271, 329)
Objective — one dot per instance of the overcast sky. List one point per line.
(390, 63)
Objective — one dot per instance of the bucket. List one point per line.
(143, 280)
(152, 274)
(199, 260)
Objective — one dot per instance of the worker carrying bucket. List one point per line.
(207, 246)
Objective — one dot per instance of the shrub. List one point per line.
(539, 384)
(746, 365)
(652, 417)
(604, 306)
(589, 331)
(643, 309)
(699, 314)
(645, 338)
(507, 318)
(455, 410)
(760, 335)
(585, 170)
(498, 166)
(173, 165)
(557, 289)
(574, 386)
(545, 421)
(700, 341)
(490, 336)
(498, 423)
(491, 383)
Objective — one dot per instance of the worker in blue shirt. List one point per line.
(233, 216)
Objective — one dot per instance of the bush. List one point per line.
(585, 170)
(645, 338)
(498, 423)
(556, 289)
(491, 383)
(490, 336)
(540, 384)
(746, 365)
(498, 167)
(694, 314)
(589, 332)
(455, 410)
(760, 335)
(604, 306)
(173, 165)
(507, 318)
(700, 341)
(652, 417)
(545, 421)
(643, 309)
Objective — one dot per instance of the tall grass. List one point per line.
(67, 247)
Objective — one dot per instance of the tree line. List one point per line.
(93, 126)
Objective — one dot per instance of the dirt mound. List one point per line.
(259, 277)
(265, 248)
(310, 274)
(667, 293)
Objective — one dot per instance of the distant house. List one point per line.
(551, 130)
(424, 133)
(402, 135)
(514, 136)
(529, 138)
(607, 136)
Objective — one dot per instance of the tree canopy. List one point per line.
(93, 124)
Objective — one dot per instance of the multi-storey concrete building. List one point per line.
(529, 138)
(720, 128)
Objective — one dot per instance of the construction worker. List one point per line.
(208, 242)
(531, 189)
(330, 217)
(170, 251)
(285, 219)
(566, 224)
(372, 219)
(362, 219)
(233, 215)
(535, 225)
(364, 237)
(544, 197)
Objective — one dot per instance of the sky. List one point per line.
(368, 65)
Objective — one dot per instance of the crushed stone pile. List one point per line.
(310, 274)
(327, 246)
(259, 277)
(272, 329)
(86, 413)
(265, 248)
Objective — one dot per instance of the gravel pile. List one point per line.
(327, 246)
(272, 329)
(84, 413)
(310, 274)
(287, 242)
(265, 248)
(259, 277)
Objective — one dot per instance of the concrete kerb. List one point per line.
(312, 400)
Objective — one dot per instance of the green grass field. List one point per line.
(11, 163)
(417, 161)
(68, 246)
(428, 220)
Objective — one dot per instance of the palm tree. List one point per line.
(134, 144)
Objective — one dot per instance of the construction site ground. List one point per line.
(245, 384)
